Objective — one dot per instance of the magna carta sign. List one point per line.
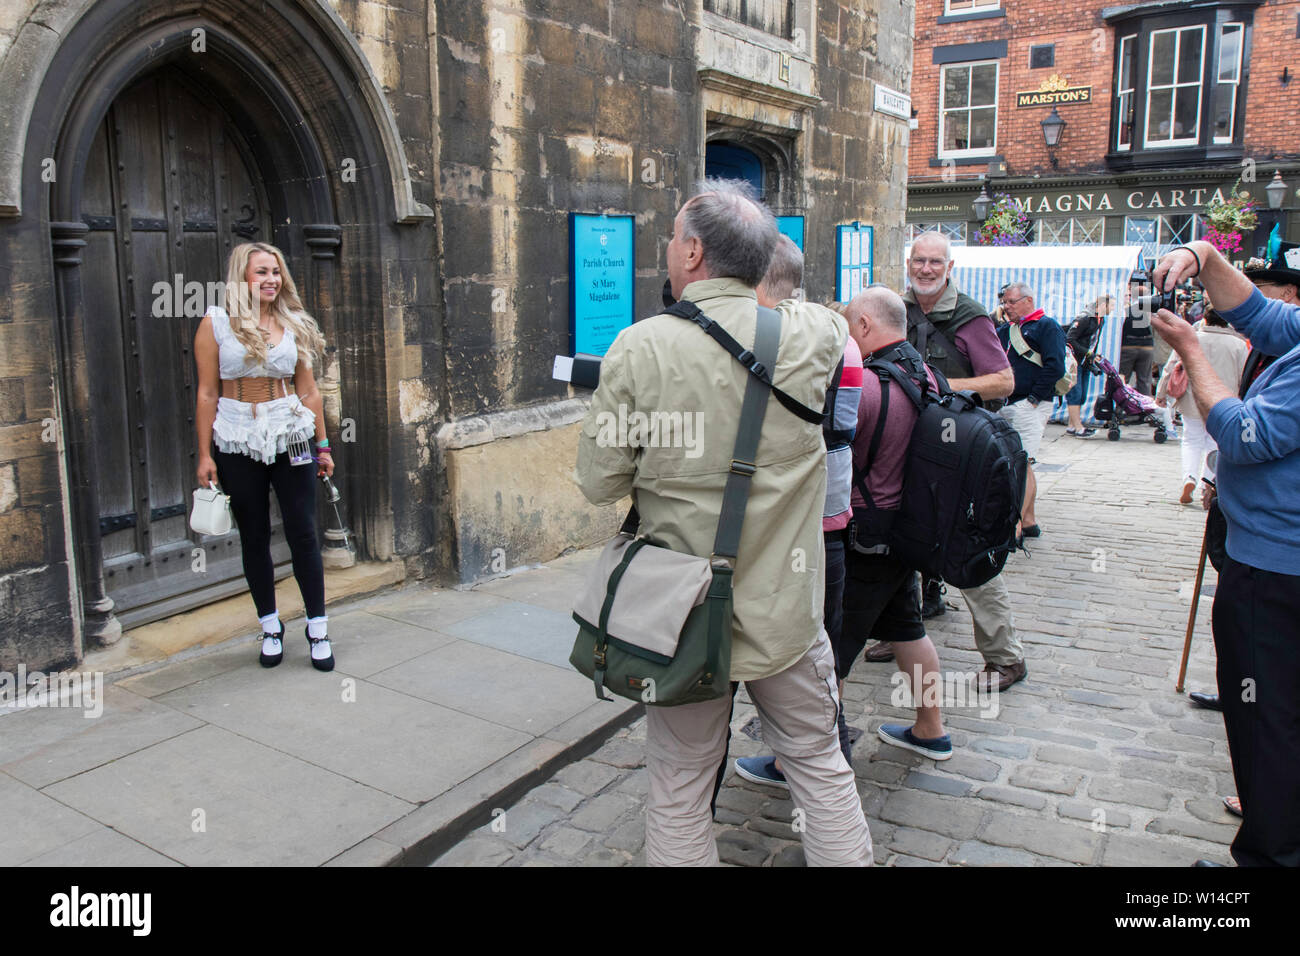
(1053, 91)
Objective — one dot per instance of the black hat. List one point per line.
(1283, 268)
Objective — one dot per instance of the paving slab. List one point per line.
(40, 746)
(103, 848)
(214, 798)
(369, 643)
(394, 742)
(482, 681)
(521, 629)
(34, 823)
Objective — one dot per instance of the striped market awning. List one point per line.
(1065, 280)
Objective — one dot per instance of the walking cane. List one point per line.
(1196, 599)
(1212, 465)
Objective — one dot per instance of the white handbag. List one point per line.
(211, 514)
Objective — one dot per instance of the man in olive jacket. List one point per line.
(721, 245)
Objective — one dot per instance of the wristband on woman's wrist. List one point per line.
(1194, 256)
(323, 443)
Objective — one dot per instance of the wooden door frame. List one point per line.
(289, 91)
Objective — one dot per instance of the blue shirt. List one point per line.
(1046, 337)
(1259, 443)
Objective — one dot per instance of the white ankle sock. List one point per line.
(316, 626)
(271, 623)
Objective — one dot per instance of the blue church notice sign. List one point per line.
(602, 280)
(791, 226)
(853, 260)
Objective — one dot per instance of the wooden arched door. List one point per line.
(169, 189)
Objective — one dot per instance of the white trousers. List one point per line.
(1197, 443)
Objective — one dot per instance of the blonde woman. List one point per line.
(258, 403)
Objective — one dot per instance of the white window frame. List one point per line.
(1073, 228)
(943, 111)
(1155, 249)
(1235, 82)
(977, 6)
(1175, 86)
(954, 229)
(1121, 92)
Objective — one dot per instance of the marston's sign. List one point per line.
(1054, 91)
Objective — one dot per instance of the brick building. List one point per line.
(418, 162)
(1165, 105)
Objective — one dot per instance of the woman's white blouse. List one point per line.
(260, 430)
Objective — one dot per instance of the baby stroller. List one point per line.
(1120, 404)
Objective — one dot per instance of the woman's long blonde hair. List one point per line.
(287, 308)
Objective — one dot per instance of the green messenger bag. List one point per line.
(655, 624)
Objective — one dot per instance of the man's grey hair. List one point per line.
(933, 235)
(785, 271)
(885, 306)
(1020, 289)
(737, 231)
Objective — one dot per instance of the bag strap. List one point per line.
(885, 368)
(925, 327)
(1022, 347)
(735, 496)
(685, 309)
(602, 626)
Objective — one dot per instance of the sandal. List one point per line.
(1233, 804)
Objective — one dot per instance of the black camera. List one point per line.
(1153, 303)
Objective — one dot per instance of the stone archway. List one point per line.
(289, 84)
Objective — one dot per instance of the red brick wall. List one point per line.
(1085, 56)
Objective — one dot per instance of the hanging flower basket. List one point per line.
(1006, 225)
(1225, 220)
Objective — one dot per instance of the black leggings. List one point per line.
(249, 483)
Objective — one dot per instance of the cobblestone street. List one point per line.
(1094, 759)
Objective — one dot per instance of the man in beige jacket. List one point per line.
(721, 245)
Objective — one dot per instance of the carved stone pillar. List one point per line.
(323, 240)
(101, 625)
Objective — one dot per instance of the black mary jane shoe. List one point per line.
(325, 664)
(270, 660)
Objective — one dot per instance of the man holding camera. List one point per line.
(1257, 601)
(720, 249)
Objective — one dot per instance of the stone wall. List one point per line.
(511, 115)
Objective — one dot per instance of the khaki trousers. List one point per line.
(798, 707)
(995, 628)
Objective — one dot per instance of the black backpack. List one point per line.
(963, 481)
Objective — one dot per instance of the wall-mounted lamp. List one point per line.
(1276, 190)
(1053, 126)
(913, 122)
(982, 202)
(1286, 75)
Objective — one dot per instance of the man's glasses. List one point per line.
(932, 263)
(1014, 301)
